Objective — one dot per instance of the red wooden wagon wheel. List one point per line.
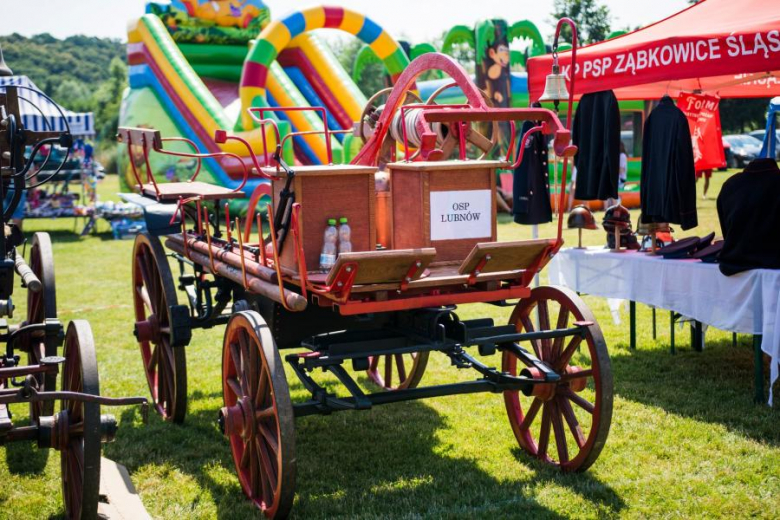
(575, 413)
(398, 371)
(153, 296)
(76, 432)
(40, 306)
(258, 415)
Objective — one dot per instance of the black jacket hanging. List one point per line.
(531, 186)
(668, 182)
(596, 133)
(749, 213)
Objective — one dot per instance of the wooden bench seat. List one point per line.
(384, 267)
(172, 191)
(504, 256)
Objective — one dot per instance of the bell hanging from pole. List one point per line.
(4, 69)
(555, 86)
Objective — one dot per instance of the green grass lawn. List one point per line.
(686, 439)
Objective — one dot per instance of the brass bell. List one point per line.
(555, 86)
(4, 69)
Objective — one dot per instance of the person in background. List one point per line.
(706, 174)
(88, 153)
(622, 175)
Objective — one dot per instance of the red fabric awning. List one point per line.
(728, 47)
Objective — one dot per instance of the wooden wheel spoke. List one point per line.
(577, 375)
(544, 324)
(235, 355)
(571, 420)
(262, 387)
(245, 455)
(144, 295)
(533, 410)
(268, 466)
(479, 140)
(563, 320)
(235, 387)
(528, 326)
(565, 357)
(560, 434)
(374, 363)
(399, 363)
(254, 470)
(146, 278)
(388, 371)
(449, 144)
(578, 400)
(269, 437)
(264, 413)
(154, 359)
(255, 370)
(169, 376)
(544, 433)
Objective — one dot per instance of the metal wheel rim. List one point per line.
(264, 455)
(557, 413)
(154, 293)
(382, 368)
(41, 306)
(80, 458)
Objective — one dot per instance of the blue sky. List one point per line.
(415, 20)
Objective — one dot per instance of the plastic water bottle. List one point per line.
(345, 236)
(328, 254)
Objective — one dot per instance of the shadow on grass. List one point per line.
(714, 386)
(25, 458)
(390, 461)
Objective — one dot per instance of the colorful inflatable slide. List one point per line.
(196, 66)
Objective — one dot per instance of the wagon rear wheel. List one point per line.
(397, 371)
(154, 294)
(77, 426)
(258, 415)
(564, 424)
(41, 306)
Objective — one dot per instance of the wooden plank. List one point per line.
(391, 266)
(445, 165)
(504, 256)
(320, 170)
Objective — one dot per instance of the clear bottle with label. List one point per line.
(329, 249)
(345, 236)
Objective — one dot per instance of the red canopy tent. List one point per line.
(726, 47)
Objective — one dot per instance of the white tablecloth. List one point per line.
(748, 302)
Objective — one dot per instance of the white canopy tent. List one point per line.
(46, 116)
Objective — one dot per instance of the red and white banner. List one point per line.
(704, 120)
(706, 47)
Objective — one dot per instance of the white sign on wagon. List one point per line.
(461, 214)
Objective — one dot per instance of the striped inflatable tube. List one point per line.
(278, 34)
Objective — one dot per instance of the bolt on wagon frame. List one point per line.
(379, 311)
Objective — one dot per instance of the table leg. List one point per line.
(697, 336)
(758, 369)
(654, 323)
(671, 331)
(632, 324)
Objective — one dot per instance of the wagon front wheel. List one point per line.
(154, 294)
(565, 423)
(77, 428)
(258, 416)
(41, 305)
